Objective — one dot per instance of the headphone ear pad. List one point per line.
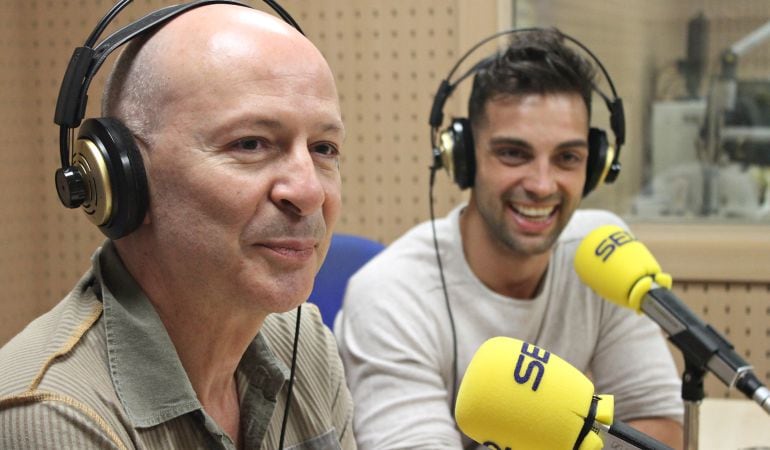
(598, 145)
(464, 154)
(126, 173)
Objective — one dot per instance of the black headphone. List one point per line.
(453, 148)
(104, 173)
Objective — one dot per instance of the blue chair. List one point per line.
(347, 253)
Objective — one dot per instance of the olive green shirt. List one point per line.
(100, 371)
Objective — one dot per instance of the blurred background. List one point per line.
(695, 186)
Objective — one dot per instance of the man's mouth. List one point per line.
(292, 251)
(291, 248)
(534, 213)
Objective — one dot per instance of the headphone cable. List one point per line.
(433, 170)
(291, 380)
(94, 36)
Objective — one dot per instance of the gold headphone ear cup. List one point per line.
(90, 160)
(446, 148)
(115, 176)
(604, 178)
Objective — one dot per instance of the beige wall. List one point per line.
(388, 58)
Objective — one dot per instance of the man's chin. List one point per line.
(529, 245)
(280, 305)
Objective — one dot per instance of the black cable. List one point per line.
(64, 145)
(99, 29)
(588, 422)
(291, 380)
(444, 288)
(284, 15)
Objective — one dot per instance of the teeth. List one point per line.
(533, 212)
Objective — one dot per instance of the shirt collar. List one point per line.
(147, 374)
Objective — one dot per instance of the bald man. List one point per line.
(181, 333)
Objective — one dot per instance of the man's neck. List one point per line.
(499, 268)
(210, 336)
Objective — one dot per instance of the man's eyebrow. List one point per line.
(518, 142)
(573, 143)
(505, 140)
(276, 125)
(334, 127)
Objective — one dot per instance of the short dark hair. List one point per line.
(535, 62)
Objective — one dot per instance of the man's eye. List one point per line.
(512, 154)
(571, 158)
(250, 144)
(326, 148)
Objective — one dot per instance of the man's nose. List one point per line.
(299, 188)
(541, 180)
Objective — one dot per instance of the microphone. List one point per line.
(612, 262)
(516, 395)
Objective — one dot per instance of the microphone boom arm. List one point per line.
(620, 436)
(702, 346)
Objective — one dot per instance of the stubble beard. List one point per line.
(505, 236)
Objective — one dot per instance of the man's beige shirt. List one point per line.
(99, 371)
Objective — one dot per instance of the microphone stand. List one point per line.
(692, 395)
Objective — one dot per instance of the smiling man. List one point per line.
(181, 335)
(508, 264)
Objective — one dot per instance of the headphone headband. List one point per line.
(86, 60)
(447, 87)
(104, 173)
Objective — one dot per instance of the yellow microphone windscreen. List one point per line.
(518, 396)
(612, 262)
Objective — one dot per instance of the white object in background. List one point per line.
(676, 129)
(739, 193)
(733, 424)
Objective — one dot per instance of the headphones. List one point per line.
(104, 172)
(453, 148)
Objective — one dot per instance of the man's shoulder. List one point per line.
(408, 253)
(56, 369)
(56, 374)
(47, 340)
